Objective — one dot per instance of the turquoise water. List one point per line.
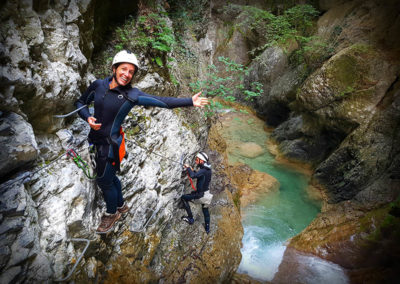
(270, 222)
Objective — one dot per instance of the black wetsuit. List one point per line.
(203, 177)
(111, 106)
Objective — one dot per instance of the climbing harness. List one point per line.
(80, 163)
(77, 262)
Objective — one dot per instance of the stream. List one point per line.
(270, 222)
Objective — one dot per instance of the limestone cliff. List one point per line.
(46, 200)
(343, 120)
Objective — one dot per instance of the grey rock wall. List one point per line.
(43, 67)
(46, 200)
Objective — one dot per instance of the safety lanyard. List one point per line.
(80, 163)
(191, 182)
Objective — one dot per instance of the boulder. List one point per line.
(279, 82)
(336, 99)
(253, 184)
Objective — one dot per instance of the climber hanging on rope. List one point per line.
(113, 98)
(201, 193)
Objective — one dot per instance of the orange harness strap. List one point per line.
(122, 150)
(191, 182)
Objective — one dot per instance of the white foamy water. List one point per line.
(259, 259)
(316, 270)
(271, 221)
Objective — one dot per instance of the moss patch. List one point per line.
(349, 71)
(382, 223)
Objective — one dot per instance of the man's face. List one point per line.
(124, 73)
(198, 161)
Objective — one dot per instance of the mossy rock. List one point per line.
(350, 71)
(345, 89)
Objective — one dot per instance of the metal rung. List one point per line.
(77, 262)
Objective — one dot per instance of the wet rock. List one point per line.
(252, 184)
(297, 267)
(250, 149)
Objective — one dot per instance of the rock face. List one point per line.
(19, 141)
(43, 63)
(343, 120)
(45, 53)
(252, 184)
(150, 243)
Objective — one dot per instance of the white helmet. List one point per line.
(202, 156)
(125, 56)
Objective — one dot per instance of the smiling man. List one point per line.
(113, 98)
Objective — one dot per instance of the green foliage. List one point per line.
(189, 15)
(227, 83)
(149, 34)
(295, 25)
(152, 32)
(301, 18)
(159, 61)
(173, 79)
(347, 91)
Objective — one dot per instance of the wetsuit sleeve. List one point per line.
(164, 102)
(197, 174)
(86, 98)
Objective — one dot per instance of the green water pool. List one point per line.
(269, 222)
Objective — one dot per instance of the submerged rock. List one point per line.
(253, 184)
(250, 149)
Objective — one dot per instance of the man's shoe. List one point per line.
(207, 228)
(123, 209)
(107, 222)
(187, 219)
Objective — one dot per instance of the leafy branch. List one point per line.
(226, 82)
